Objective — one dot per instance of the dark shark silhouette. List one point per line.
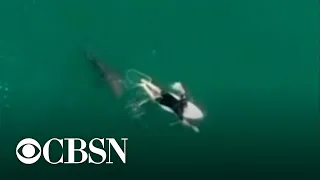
(111, 77)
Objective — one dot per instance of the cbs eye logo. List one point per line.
(28, 150)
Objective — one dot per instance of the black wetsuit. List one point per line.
(176, 105)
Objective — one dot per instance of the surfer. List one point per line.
(177, 105)
(174, 100)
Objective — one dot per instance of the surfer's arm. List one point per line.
(193, 127)
(179, 111)
(186, 124)
(143, 102)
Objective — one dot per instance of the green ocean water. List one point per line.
(251, 65)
